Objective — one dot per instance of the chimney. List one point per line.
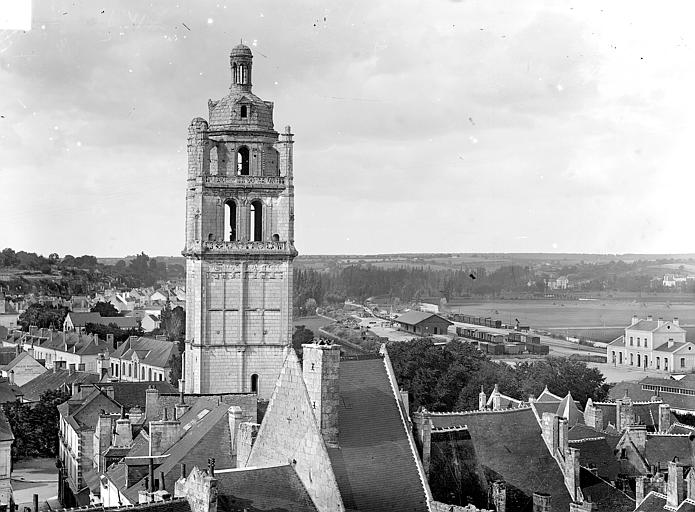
(664, 417)
(35, 502)
(676, 321)
(235, 417)
(635, 319)
(163, 434)
(245, 440)
(676, 484)
(650, 318)
(496, 398)
(572, 467)
(482, 401)
(102, 438)
(152, 405)
(562, 435)
(541, 502)
(124, 430)
(200, 488)
(690, 484)
(320, 370)
(638, 436)
(11, 377)
(624, 413)
(110, 341)
(550, 427)
(499, 496)
(405, 400)
(640, 488)
(593, 416)
(183, 470)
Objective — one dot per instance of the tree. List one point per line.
(300, 336)
(35, 427)
(176, 363)
(105, 309)
(42, 315)
(173, 322)
(310, 306)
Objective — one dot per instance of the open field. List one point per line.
(313, 323)
(577, 314)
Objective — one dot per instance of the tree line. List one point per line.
(450, 377)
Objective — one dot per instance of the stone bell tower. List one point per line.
(239, 242)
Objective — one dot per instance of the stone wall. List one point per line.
(289, 433)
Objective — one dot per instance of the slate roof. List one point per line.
(131, 394)
(7, 367)
(663, 448)
(604, 495)
(9, 392)
(375, 466)
(52, 380)
(82, 319)
(653, 325)
(677, 345)
(81, 413)
(172, 505)
(656, 502)
(5, 429)
(598, 452)
(416, 317)
(262, 489)
(7, 354)
(505, 442)
(207, 436)
(568, 410)
(547, 396)
(150, 351)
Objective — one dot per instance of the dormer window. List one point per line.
(244, 111)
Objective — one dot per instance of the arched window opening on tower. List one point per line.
(244, 111)
(230, 220)
(257, 221)
(235, 74)
(242, 161)
(213, 160)
(254, 383)
(243, 75)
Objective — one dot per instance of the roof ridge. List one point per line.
(408, 432)
(485, 411)
(602, 438)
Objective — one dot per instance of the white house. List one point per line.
(653, 344)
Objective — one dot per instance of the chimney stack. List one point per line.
(650, 318)
(676, 321)
(152, 405)
(11, 377)
(635, 319)
(499, 496)
(482, 400)
(675, 485)
(320, 370)
(541, 502)
(659, 322)
(664, 417)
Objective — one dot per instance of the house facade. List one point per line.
(142, 359)
(653, 344)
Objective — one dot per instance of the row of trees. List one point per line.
(446, 378)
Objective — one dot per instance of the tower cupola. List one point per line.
(241, 62)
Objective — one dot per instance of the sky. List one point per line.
(433, 126)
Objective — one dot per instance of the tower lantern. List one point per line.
(239, 243)
(241, 62)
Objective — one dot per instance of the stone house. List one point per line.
(22, 369)
(653, 344)
(142, 359)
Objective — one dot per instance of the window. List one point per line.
(130, 370)
(142, 373)
(682, 362)
(244, 111)
(638, 342)
(257, 220)
(620, 358)
(658, 360)
(665, 364)
(230, 220)
(632, 359)
(242, 161)
(254, 383)
(638, 360)
(631, 341)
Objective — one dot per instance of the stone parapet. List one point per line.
(250, 249)
(244, 181)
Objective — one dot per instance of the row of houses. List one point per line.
(135, 359)
(337, 435)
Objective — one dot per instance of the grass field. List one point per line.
(577, 314)
(313, 323)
